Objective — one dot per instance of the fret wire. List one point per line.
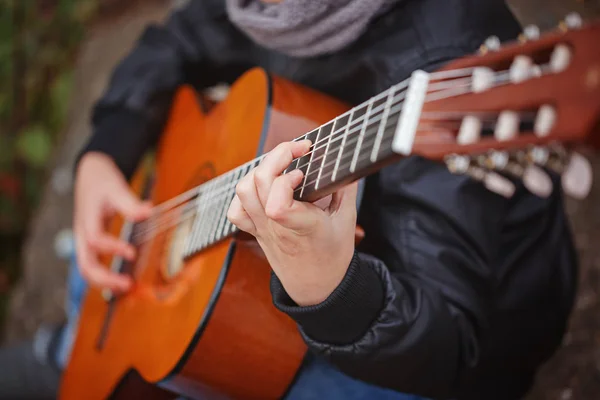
(197, 225)
(310, 161)
(208, 219)
(325, 152)
(238, 175)
(350, 142)
(214, 217)
(360, 139)
(223, 213)
(361, 158)
(386, 113)
(346, 130)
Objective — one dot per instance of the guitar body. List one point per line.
(204, 327)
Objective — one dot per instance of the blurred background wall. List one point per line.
(65, 50)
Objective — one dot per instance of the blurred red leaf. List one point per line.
(10, 185)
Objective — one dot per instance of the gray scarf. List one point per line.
(305, 28)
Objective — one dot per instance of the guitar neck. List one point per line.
(345, 149)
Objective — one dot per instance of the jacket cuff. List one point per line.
(346, 315)
(121, 136)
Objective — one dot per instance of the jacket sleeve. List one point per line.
(408, 313)
(129, 117)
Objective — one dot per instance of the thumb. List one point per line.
(344, 200)
(126, 202)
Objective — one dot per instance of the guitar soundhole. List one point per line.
(174, 250)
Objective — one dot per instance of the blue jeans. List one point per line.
(316, 380)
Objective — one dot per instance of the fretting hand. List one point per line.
(308, 247)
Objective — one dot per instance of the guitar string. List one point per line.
(433, 76)
(192, 193)
(445, 85)
(187, 211)
(216, 196)
(210, 200)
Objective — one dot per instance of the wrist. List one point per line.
(323, 279)
(346, 314)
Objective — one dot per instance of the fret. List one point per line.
(201, 203)
(244, 171)
(361, 135)
(382, 124)
(221, 206)
(210, 213)
(293, 165)
(343, 121)
(338, 158)
(304, 161)
(200, 211)
(224, 230)
(368, 135)
(316, 156)
(224, 205)
(346, 148)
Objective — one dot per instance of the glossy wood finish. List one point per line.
(245, 348)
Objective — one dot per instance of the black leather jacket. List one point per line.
(455, 292)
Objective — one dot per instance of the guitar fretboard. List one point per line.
(342, 150)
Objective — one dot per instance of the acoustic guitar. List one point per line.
(200, 321)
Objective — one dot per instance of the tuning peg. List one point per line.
(492, 43)
(459, 164)
(560, 58)
(577, 177)
(572, 21)
(521, 69)
(482, 79)
(498, 184)
(519, 165)
(537, 181)
(531, 32)
(470, 130)
(507, 126)
(544, 120)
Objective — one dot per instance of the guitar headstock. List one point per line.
(515, 109)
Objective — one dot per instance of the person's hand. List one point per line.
(308, 247)
(100, 192)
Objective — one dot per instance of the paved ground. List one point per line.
(574, 373)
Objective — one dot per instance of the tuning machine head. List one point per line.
(531, 32)
(571, 21)
(492, 43)
(494, 182)
(577, 177)
(575, 170)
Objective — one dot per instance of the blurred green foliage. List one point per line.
(38, 44)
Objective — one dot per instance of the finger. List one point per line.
(107, 244)
(96, 239)
(246, 193)
(124, 201)
(283, 209)
(239, 217)
(344, 200)
(275, 162)
(97, 274)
